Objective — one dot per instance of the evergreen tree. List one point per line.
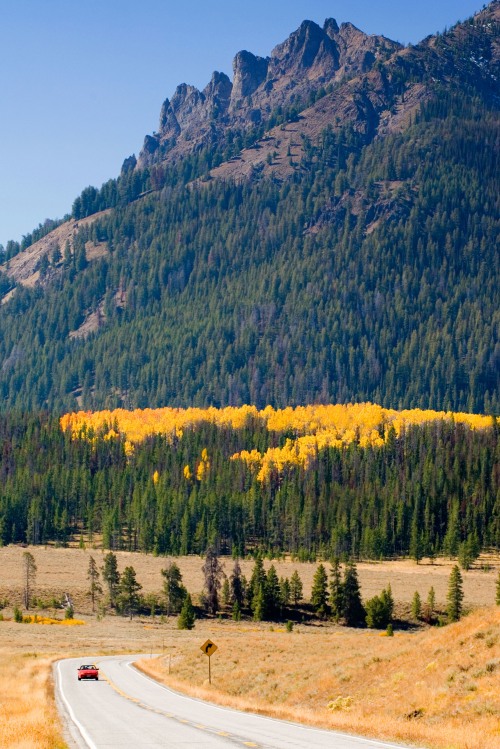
(296, 588)
(129, 591)
(272, 593)
(285, 592)
(29, 575)
(455, 595)
(416, 606)
(173, 589)
(187, 616)
(237, 585)
(236, 615)
(416, 546)
(259, 604)
(376, 617)
(111, 577)
(352, 611)
(319, 591)
(212, 573)
(430, 606)
(256, 586)
(388, 601)
(379, 609)
(225, 593)
(95, 587)
(336, 590)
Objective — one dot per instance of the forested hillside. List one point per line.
(358, 262)
(433, 489)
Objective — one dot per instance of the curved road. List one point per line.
(127, 709)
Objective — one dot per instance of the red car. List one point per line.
(88, 672)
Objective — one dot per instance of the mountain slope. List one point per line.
(340, 245)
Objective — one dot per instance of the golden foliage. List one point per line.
(313, 428)
(35, 619)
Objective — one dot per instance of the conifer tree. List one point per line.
(256, 587)
(187, 616)
(237, 585)
(173, 589)
(430, 606)
(272, 593)
(296, 588)
(236, 615)
(95, 587)
(259, 604)
(111, 577)
(285, 592)
(225, 593)
(29, 574)
(129, 591)
(352, 611)
(416, 605)
(336, 590)
(388, 601)
(212, 573)
(416, 546)
(455, 595)
(319, 591)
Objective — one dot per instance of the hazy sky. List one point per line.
(82, 81)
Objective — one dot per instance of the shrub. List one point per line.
(379, 609)
(69, 613)
(18, 615)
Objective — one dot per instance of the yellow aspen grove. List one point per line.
(314, 428)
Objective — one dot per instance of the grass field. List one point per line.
(435, 687)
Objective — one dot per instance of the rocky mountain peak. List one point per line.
(310, 59)
(169, 126)
(217, 94)
(249, 72)
(331, 27)
(304, 48)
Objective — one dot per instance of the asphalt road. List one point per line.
(127, 709)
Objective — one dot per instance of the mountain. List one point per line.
(322, 228)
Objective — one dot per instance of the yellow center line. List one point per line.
(171, 715)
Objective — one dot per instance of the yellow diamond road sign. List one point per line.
(209, 647)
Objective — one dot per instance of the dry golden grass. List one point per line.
(452, 674)
(439, 687)
(28, 716)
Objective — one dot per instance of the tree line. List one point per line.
(263, 597)
(433, 490)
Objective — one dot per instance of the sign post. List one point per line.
(209, 649)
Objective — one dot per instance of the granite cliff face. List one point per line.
(311, 59)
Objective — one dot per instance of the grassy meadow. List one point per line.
(436, 687)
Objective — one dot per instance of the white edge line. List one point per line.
(365, 740)
(72, 715)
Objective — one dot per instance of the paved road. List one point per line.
(127, 709)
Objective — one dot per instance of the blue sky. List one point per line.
(82, 81)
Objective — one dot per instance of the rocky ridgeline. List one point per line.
(332, 75)
(311, 58)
